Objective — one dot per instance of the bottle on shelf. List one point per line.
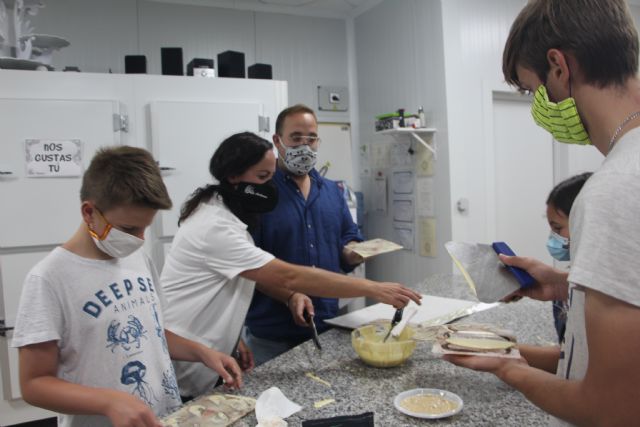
(422, 118)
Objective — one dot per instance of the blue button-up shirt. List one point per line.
(309, 232)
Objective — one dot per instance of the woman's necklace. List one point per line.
(614, 138)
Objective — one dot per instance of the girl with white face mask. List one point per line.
(559, 205)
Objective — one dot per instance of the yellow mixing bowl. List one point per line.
(367, 342)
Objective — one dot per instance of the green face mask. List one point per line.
(560, 119)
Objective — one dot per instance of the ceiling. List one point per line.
(321, 8)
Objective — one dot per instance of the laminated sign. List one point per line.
(53, 158)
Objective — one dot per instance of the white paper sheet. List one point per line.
(403, 210)
(432, 307)
(424, 192)
(399, 154)
(403, 182)
(380, 192)
(404, 235)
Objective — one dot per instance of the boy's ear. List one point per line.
(559, 66)
(86, 210)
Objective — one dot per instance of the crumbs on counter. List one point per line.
(321, 403)
(318, 379)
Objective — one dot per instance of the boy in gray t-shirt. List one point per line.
(92, 345)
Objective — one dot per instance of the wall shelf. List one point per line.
(415, 133)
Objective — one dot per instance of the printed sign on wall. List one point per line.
(53, 158)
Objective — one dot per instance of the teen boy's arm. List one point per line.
(608, 394)
(41, 387)
(190, 351)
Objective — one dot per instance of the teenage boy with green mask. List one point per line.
(584, 55)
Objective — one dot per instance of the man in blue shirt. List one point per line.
(311, 225)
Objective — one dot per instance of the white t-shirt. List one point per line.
(605, 246)
(106, 317)
(207, 300)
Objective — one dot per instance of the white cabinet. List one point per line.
(180, 119)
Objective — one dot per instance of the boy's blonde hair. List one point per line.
(124, 175)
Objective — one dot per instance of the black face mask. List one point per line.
(257, 198)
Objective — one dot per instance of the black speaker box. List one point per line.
(231, 64)
(260, 71)
(172, 61)
(198, 63)
(135, 64)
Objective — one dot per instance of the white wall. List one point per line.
(474, 36)
(399, 57)
(304, 51)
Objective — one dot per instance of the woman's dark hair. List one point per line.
(563, 194)
(233, 157)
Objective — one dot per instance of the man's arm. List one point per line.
(190, 351)
(322, 283)
(41, 387)
(609, 392)
(297, 302)
(349, 257)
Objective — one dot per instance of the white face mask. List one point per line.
(116, 243)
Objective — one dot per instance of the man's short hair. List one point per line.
(295, 109)
(600, 34)
(124, 175)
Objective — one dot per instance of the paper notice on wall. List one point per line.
(400, 154)
(364, 160)
(403, 182)
(53, 158)
(427, 236)
(378, 155)
(404, 235)
(379, 202)
(425, 197)
(424, 161)
(403, 210)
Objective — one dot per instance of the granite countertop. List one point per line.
(357, 387)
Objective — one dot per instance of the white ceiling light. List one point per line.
(293, 3)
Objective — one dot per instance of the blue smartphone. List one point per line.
(524, 278)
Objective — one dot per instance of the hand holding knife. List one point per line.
(314, 331)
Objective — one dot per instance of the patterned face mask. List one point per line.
(560, 119)
(299, 160)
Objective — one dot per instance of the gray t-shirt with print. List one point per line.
(106, 318)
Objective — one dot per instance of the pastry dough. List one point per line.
(215, 410)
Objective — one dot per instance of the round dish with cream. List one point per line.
(428, 403)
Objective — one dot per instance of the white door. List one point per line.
(40, 213)
(522, 178)
(184, 136)
(335, 151)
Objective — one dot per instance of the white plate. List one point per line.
(46, 41)
(416, 391)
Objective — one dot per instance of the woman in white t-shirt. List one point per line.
(212, 267)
